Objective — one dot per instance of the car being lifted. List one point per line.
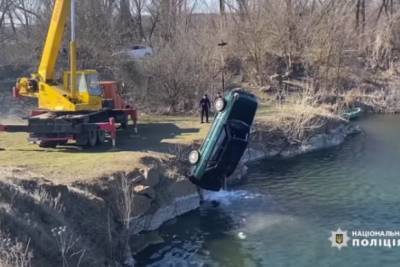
(226, 142)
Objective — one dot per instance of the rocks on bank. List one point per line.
(330, 133)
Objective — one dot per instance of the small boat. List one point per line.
(352, 114)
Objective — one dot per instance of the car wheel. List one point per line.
(220, 104)
(194, 157)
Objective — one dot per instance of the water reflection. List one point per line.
(284, 214)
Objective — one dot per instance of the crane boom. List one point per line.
(54, 40)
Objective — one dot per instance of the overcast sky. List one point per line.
(202, 6)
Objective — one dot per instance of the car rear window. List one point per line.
(239, 130)
(243, 109)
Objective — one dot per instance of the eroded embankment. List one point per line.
(104, 221)
(96, 223)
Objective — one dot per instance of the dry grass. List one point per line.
(14, 253)
(68, 164)
(295, 120)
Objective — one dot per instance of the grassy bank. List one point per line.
(159, 138)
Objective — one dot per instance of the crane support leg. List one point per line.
(111, 128)
(14, 128)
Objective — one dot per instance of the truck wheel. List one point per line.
(62, 143)
(92, 138)
(82, 140)
(101, 137)
(48, 144)
(124, 125)
(124, 122)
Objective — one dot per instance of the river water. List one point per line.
(284, 214)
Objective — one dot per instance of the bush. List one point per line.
(179, 73)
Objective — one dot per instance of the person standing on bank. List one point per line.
(205, 106)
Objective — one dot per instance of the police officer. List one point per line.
(205, 106)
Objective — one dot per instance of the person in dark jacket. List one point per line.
(205, 106)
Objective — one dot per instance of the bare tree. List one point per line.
(360, 12)
(139, 6)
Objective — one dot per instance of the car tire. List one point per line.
(194, 157)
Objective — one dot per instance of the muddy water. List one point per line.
(284, 214)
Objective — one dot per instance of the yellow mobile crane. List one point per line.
(81, 108)
(80, 89)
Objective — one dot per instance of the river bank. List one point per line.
(109, 217)
(99, 221)
(293, 131)
(99, 198)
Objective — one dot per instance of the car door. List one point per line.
(219, 148)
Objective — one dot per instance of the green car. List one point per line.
(226, 141)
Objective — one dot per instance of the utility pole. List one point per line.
(222, 7)
(222, 44)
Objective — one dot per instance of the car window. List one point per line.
(243, 110)
(239, 130)
(82, 85)
(94, 85)
(219, 146)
